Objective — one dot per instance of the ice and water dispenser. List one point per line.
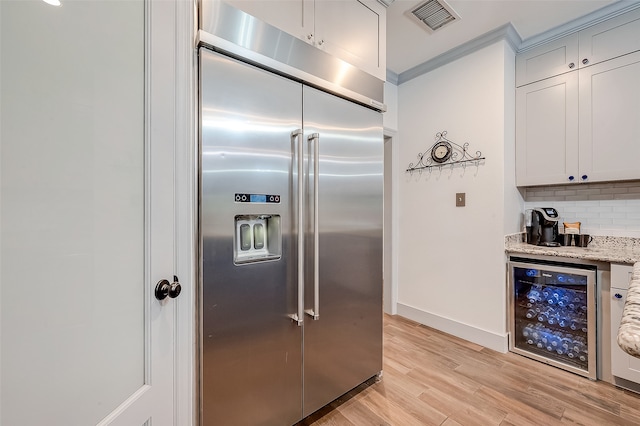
(257, 237)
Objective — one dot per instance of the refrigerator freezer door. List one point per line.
(343, 347)
(250, 350)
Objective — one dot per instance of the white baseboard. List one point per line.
(490, 340)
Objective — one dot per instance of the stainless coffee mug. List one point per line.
(564, 239)
(583, 240)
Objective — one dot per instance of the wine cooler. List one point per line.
(552, 314)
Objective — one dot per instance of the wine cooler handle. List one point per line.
(315, 312)
(298, 316)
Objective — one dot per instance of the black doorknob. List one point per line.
(164, 289)
(175, 288)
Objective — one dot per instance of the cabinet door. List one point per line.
(551, 59)
(610, 39)
(610, 119)
(547, 131)
(622, 364)
(294, 17)
(354, 31)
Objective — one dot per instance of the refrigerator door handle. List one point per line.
(298, 316)
(315, 312)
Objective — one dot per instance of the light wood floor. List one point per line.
(431, 378)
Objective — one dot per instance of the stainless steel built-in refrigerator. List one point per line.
(291, 245)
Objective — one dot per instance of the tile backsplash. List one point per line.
(601, 208)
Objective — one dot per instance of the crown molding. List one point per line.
(509, 34)
(504, 33)
(600, 15)
(392, 77)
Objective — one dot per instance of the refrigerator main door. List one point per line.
(343, 347)
(251, 360)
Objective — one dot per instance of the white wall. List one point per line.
(451, 259)
(390, 117)
(514, 204)
(392, 172)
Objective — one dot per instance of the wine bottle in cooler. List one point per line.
(537, 334)
(546, 292)
(565, 299)
(576, 322)
(558, 294)
(556, 342)
(542, 315)
(567, 342)
(534, 295)
(531, 314)
(580, 348)
(532, 334)
(564, 321)
(546, 341)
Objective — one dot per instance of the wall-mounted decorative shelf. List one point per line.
(445, 153)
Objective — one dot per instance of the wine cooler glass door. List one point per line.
(552, 315)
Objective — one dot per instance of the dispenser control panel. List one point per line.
(257, 198)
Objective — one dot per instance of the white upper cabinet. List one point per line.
(554, 58)
(547, 131)
(610, 119)
(610, 39)
(355, 31)
(576, 113)
(294, 17)
(352, 30)
(607, 40)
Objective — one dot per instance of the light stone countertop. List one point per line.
(602, 249)
(629, 330)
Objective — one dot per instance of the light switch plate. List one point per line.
(460, 199)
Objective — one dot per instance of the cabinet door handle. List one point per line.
(618, 296)
(585, 177)
(571, 178)
(572, 65)
(585, 61)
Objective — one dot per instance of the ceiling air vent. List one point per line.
(435, 14)
(386, 3)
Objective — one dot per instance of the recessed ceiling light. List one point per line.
(53, 2)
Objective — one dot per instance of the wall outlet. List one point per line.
(460, 199)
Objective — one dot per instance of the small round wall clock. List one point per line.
(441, 152)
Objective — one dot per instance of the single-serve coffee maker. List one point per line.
(542, 226)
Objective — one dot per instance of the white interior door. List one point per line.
(87, 176)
